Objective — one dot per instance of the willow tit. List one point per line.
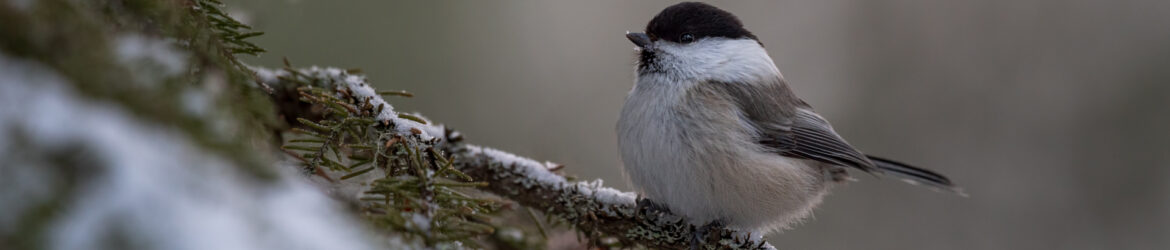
(712, 132)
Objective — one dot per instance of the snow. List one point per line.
(144, 186)
(420, 221)
(531, 169)
(152, 59)
(267, 75)
(610, 195)
(512, 234)
(196, 102)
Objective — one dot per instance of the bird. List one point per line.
(711, 130)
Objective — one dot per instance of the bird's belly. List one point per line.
(714, 176)
(661, 165)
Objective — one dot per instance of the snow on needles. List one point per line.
(357, 86)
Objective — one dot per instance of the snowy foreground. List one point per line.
(120, 182)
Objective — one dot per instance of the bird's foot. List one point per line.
(647, 206)
(699, 236)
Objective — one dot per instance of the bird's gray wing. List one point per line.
(813, 138)
(788, 126)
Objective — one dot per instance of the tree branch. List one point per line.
(594, 209)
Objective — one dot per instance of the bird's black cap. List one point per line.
(699, 20)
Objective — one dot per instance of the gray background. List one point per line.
(1052, 114)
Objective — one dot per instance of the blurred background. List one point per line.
(1054, 115)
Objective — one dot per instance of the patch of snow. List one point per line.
(266, 75)
(610, 195)
(512, 234)
(196, 101)
(420, 221)
(151, 59)
(534, 170)
(147, 186)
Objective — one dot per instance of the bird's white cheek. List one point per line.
(742, 60)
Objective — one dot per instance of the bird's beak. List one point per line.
(640, 39)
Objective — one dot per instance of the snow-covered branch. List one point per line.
(590, 206)
(596, 210)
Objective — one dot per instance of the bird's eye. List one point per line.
(686, 38)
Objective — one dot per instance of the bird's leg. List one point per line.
(700, 235)
(649, 206)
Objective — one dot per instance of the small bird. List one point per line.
(712, 132)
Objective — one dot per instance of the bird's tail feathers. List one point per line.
(915, 175)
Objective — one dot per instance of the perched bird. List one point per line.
(712, 132)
